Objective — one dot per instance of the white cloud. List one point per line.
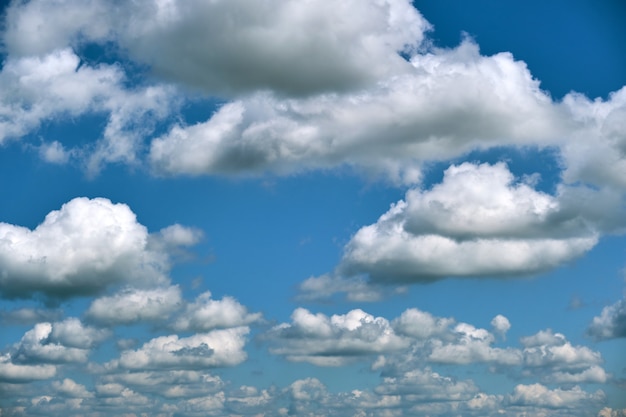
(427, 113)
(427, 386)
(500, 325)
(609, 412)
(39, 27)
(29, 316)
(166, 383)
(57, 85)
(134, 305)
(62, 342)
(538, 395)
(611, 323)
(335, 340)
(558, 353)
(83, 248)
(294, 47)
(207, 314)
(421, 324)
(54, 153)
(217, 348)
(595, 151)
(69, 388)
(477, 222)
(71, 332)
(473, 345)
(17, 373)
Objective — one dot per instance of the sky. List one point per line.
(274, 208)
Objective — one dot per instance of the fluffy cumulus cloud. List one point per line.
(611, 323)
(329, 87)
(134, 305)
(388, 128)
(207, 314)
(57, 85)
(17, 373)
(335, 340)
(295, 47)
(473, 345)
(537, 395)
(83, 248)
(217, 348)
(479, 221)
(68, 341)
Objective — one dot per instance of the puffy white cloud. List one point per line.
(426, 385)
(217, 348)
(427, 113)
(207, 314)
(294, 47)
(473, 345)
(500, 324)
(356, 288)
(609, 412)
(83, 248)
(39, 27)
(335, 340)
(421, 324)
(595, 150)
(554, 359)
(477, 222)
(54, 152)
(18, 373)
(61, 342)
(69, 388)
(166, 383)
(611, 323)
(557, 352)
(133, 305)
(538, 395)
(57, 85)
(29, 316)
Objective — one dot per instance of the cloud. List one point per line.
(391, 127)
(335, 340)
(538, 395)
(217, 348)
(83, 248)
(166, 383)
(69, 388)
(611, 323)
(29, 316)
(17, 373)
(427, 386)
(57, 85)
(473, 345)
(67, 341)
(595, 151)
(421, 324)
(208, 314)
(479, 221)
(133, 305)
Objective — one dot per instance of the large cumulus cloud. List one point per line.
(82, 248)
(480, 221)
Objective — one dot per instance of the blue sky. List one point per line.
(281, 208)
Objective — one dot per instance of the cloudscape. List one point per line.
(309, 208)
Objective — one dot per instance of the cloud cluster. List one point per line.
(136, 305)
(83, 248)
(335, 340)
(611, 323)
(479, 222)
(217, 348)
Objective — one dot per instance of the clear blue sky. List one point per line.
(282, 208)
